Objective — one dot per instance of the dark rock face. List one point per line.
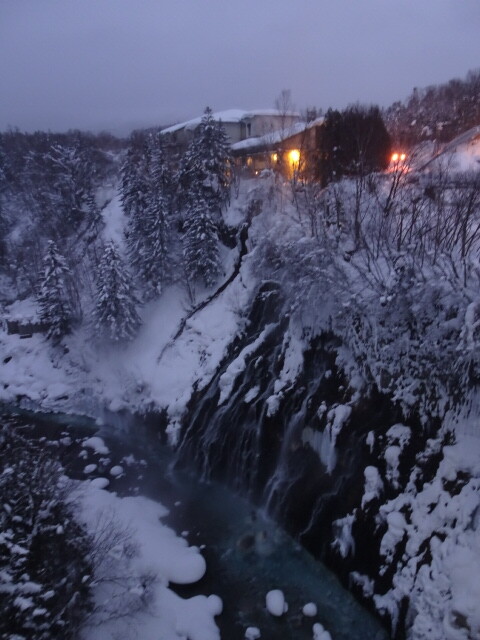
(266, 456)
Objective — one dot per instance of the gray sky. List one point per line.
(116, 64)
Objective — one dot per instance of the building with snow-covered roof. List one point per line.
(288, 150)
(238, 124)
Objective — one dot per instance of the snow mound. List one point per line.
(97, 444)
(100, 483)
(160, 552)
(320, 633)
(215, 605)
(116, 471)
(90, 468)
(373, 485)
(310, 610)
(275, 603)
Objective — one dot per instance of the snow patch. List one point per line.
(321, 443)
(373, 485)
(235, 368)
(251, 394)
(97, 444)
(159, 552)
(343, 539)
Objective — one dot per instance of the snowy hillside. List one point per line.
(322, 357)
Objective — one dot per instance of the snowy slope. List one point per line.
(151, 371)
(161, 554)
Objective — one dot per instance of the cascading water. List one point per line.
(225, 440)
(300, 454)
(282, 459)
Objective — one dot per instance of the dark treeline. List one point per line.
(352, 142)
(438, 112)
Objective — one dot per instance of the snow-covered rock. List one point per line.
(90, 468)
(116, 471)
(310, 609)
(275, 602)
(373, 485)
(100, 483)
(215, 605)
(97, 444)
(320, 633)
(344, 541)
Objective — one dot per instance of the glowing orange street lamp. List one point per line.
(398, 157)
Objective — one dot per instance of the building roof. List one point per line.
(230, 115)
(275, 137)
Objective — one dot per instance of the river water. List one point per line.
(247, 554)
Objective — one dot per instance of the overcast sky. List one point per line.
(115, 64)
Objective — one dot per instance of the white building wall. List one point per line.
(263, 124)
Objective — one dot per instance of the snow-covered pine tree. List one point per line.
(4, 180)
(154, 269)
(148, 200)
(207, 164)
(134, 177)
(136, 198)
(162, 179)
(116, 305)
(63, 187)
(56, 309)
(151, 256)
(200, 242)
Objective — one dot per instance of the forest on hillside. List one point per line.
(437, 112)
(53, 190)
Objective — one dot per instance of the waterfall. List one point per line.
(266, 450)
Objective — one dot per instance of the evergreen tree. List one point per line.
(134, 188)
(148, 200)
(207, 164)
(116, 307)
(61, 188)
(54, 299)
(353, 142)
(162, 180)
(74, 183)
(4, 185)
(154, 268)
(200, 242)
(136, 197)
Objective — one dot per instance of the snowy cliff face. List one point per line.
(387, 500)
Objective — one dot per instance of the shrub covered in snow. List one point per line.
(396, 275)
(45, 567)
